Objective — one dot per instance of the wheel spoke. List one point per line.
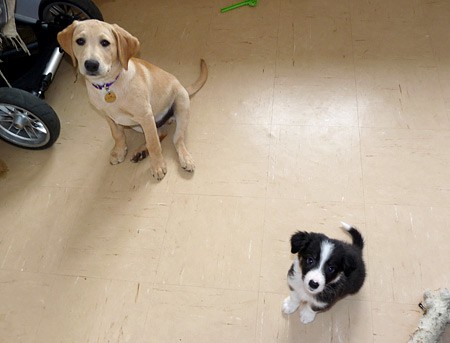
(26, 129)
(56, 10)
(37, 126)
(6, 119)
(63, 10)
(66, 9)
(6, 110)
(78, 14)
(17, 130)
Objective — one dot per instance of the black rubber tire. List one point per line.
(34, 112)
(90, 10)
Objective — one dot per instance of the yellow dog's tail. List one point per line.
(197, 85)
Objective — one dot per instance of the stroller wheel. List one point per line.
(27, 121)
(64, 12)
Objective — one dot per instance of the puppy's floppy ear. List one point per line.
(348, 264)
(65, 41)
(299, 242)
(127, 45)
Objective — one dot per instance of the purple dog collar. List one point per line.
(105, 85)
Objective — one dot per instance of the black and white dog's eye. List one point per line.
(309, 261)
(80, 41)
(104, 43)
(331, 269)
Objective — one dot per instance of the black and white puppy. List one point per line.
(324, 271)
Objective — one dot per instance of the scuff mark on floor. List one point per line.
(3, 169)
(137, 292)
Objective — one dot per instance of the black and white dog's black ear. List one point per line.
(299, 241)
(348, 264)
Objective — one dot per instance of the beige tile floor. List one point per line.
(315, 111)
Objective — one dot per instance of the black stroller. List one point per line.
(27, 71)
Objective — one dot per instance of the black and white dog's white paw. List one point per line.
(289, 306)
(307, 315)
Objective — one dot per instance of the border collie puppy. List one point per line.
(324, 271)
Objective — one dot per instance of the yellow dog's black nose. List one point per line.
(91, 66)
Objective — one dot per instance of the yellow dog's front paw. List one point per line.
(187, 163)
(117, 156)
(158, 170)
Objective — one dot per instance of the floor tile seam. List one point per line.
(438, 65)
(270, 122)
(422, 61)
(208, 36)
(217, 195)
(273, 99)
(349, 298)
(187, 194)
(323, 16)
(69, 275)
(158, 264)
(360, 140)
(415, 20)
(274, 125)
(309, 78)
(270, 151)
(155, 274)
(362, 127)
(419, 299)
(159, 285)
(440, 129)
(403, 129)
(263, 230)
(272, 107)
(423, 206)
(232, 124)
(422, 282)
(316, 202)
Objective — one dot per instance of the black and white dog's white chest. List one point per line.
(296, 283)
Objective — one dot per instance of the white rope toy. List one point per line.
(436, 306)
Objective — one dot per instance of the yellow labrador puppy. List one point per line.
(131, 92)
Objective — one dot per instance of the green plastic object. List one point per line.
(251, 3)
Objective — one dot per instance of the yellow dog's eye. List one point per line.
(80, 41)
(104, 43)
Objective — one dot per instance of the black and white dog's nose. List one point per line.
(313, 284)
(91, 66)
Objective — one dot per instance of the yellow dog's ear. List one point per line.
(127, 45)
(65, 41)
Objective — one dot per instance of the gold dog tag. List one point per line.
(110, 97)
